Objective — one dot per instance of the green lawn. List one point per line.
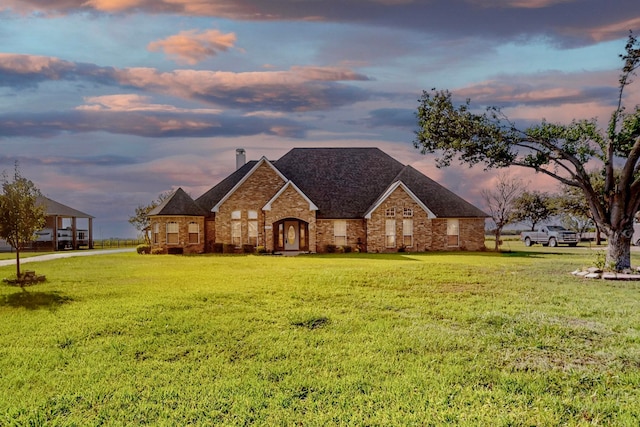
(353, 339)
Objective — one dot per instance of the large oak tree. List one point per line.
(560, 151)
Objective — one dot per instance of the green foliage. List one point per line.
(453, 131)
(356, 339)
(248, 249)
(330, 248)
(143, 249)
(533, 207)
(157, 251)
(20, 213)
(228, 248)
(218, 248)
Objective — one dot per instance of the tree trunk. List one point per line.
(497, 233)
(18, 263)
(619, 250)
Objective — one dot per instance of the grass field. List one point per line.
(353, 339)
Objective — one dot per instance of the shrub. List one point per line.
(143, 249)
(218, 248)
(157, 251)
(175, 251)
(346, 249)
(330, 248)
(340, 249)
(248, 249)
(228, 249)
(261, 250)
(402, 248)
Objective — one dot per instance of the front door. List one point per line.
(291, 236)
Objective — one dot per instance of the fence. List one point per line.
(97, 244)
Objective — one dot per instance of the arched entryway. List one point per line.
(291, 234)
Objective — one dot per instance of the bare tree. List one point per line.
(141, 221)
(499, 202)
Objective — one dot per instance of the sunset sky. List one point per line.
(107, 103)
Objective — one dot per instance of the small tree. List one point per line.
(141, 219)
(533, 207)
(20, 214)
(499, 202)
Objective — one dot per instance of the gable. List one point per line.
(396, 186)
(292, 187)
(342, 182)
(209, 199)
(257, 185)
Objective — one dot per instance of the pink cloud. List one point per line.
(191, 47)
(33, 64)
(132, 102)
(519, 4)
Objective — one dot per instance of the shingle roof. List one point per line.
(179, 203)
(347, 182)
(209, 199)
(55, 208)
(342, 182)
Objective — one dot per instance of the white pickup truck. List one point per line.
(550, 235)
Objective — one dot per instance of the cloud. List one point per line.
(71, 161)
(519, 4)
(21, 71)
(191, 47)
(297, 89)
(392, 117)
(566, 22)
(133, 102)
(144, 124)
(543, 89)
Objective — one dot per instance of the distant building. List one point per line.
(61, 231)
(314, 198)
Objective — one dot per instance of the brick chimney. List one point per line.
(241, 158)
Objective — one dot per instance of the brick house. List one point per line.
(312, 198)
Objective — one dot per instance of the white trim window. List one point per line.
(156, 233)
(173, 233)
(194, 232)
(407, 232)
(340, 232)
(236, 228)
(390, 213)
(390, 233)
(252, 227)
(407, 212)
(453, 232)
